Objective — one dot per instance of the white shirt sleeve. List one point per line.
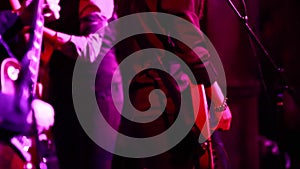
(88, 46)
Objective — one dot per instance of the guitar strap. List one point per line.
(6, 48)
(9, 25)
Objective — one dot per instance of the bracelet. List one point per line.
(222, 107)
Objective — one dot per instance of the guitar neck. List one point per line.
(31, 60)
(202, 121)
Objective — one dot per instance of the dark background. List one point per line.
(266, 117)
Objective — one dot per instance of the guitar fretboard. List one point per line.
(31, 61)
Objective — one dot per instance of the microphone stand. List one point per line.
(253, 36)
(284, 86)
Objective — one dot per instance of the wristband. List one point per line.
(222, 107)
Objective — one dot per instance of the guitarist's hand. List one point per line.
(221, 120)
(51, 10)
(44, 114)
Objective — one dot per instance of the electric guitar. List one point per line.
(20, 79)
(202, 121)
(24, 146)
(215, 156)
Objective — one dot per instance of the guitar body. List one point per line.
(21, 150)
(9, 158)
(14, 154)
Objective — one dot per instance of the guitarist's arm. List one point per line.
(222, 112)
(93, 16)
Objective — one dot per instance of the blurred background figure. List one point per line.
(78, 36)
